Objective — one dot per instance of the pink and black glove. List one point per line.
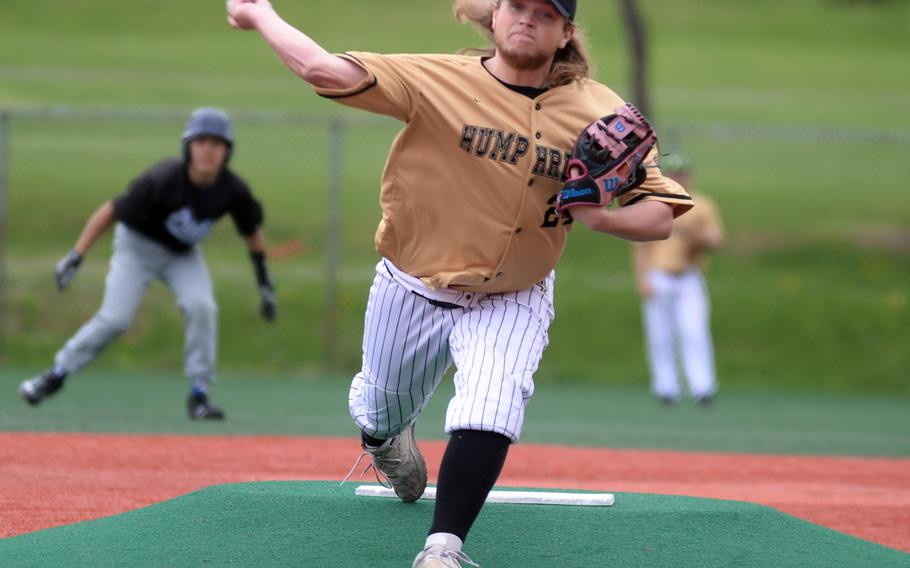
(607, 159)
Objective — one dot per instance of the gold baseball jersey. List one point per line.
(469, 188)
(682, 250)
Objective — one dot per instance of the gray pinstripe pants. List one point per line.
(495, 340)
(136, 262)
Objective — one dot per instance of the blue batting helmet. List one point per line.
(208, 122)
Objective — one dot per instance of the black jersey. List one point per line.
(164, 205)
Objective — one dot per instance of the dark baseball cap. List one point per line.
(566, 7)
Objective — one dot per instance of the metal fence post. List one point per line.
(332, 243)
(5, 120)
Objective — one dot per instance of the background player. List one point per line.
(676, 308)
(160, 220)
(469, 234)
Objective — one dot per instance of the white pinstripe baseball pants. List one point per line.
(495, 341)
(677, 328)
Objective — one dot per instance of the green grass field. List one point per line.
(809, 294)
(857, 424)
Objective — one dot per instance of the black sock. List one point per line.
(470, 466)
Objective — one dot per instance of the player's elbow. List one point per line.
(659, 225)
(329, 72)
(319, 76)
(664, 227)
(661, 233)
(656, 232)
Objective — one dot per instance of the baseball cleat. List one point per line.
(668, 400)
(399, 464)
(437, 556)
(200, 408)
(704, 399)
(36, 389)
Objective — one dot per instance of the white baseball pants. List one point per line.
(677, 327)
(413, 334)
(135, 263)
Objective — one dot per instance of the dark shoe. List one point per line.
(200, 408)
(704, 400)
(667, 400)
(36, 389)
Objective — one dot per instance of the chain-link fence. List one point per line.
(58, 165)
(318, 178)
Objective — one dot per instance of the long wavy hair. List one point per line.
(570, 63)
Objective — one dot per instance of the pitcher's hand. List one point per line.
(241, 13)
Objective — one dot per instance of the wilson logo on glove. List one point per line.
(607, 159)
(574, 193)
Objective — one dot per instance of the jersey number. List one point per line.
(551, 217)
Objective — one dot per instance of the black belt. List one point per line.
(439, 303)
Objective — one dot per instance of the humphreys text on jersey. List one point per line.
(509, 147)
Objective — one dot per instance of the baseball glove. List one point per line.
(607, 159)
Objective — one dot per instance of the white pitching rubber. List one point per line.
(513, 497)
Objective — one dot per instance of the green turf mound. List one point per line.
(324, 525)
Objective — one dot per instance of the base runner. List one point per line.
(161, 219)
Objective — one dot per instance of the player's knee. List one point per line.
(115, 324)
(201, 308)
(692, 330)
(382, 416)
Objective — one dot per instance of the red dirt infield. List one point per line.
(48, 480)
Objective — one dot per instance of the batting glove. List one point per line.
(66, 269)
(268, 308)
